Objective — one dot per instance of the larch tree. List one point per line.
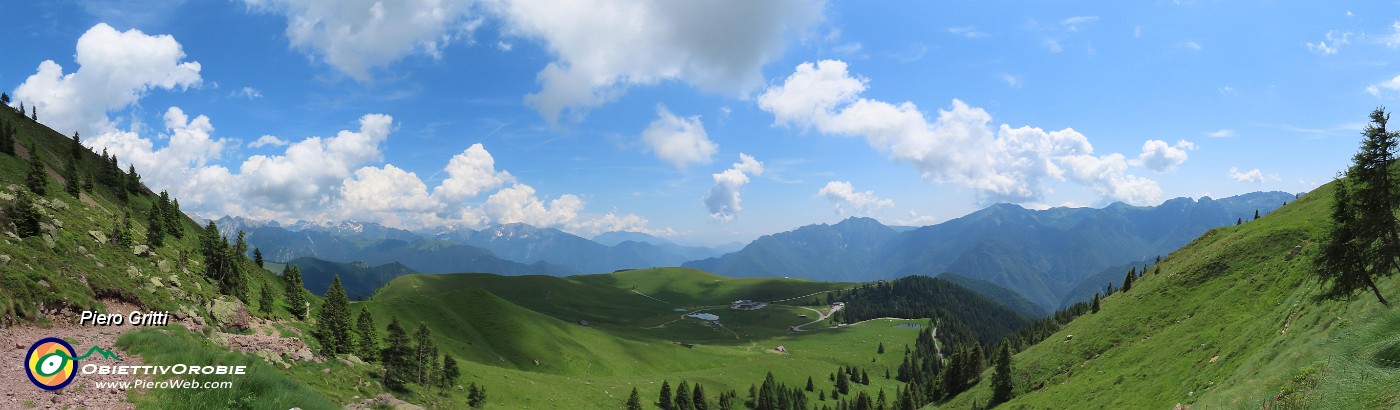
(1364, 240)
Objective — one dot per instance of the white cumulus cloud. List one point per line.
(470, 173)
(267, 140)
(718, 46)
(1158, 156)
(957, 146)
(356, 36)
(680, 141)
(843, 193)
(115, 69)
(1252, 175)
(723, 201)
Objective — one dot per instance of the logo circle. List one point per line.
(50, 363)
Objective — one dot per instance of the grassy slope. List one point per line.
(502, 325)
(1209, 331)
(76, 270)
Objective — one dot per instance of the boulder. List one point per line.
(230, 313)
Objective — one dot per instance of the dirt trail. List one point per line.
(19, 392)
(820, 316)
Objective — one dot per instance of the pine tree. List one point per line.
(864, 378)
(34, 112)
(70, 174)
(296, 300)
(4, 99)
(450, 372)
(881, 349)
(171, 211)
(683, 401)
(133, 180)
(1001, 378)
(1239, 221)
(25, 215)
(726, 401)
(1128, 280)
(634, 402)
(265, 301)
(476, 396)
(698, 396)
(257, 257)
(333, 324)
(123, 230)
(1256, 214)
(77, 148)
(369, 339)
(422, 348)
(36, 179)
(240, 246)
(395, 358)
(155, 229)
(843, 383)
(664, 400)
(1094, 307)
(810, 386)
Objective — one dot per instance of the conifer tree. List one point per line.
(121, 232)
(683, 401)
(77, 148)
(698, 396)
(1128, 280)
(476, 396)
(240, 246)
(265, 301)
(634, 402)
(24, 214)
(422, 350)
(155, 229)
(70, 174)
(296, 300)
(36, 179)
(1239, 221)
(1001, 378)
(450, 373)
(1256, 214)
(397, 369)
(664, 400)
(881, 349)
(333, 324)
(257, 257)
(1094, 307)
(133, 180)
(4, 99)
(726, 401)
(1364, 241)
(810, 386)
(369, 338)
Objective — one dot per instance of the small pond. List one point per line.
(704, 316)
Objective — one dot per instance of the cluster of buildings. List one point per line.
(746, 304)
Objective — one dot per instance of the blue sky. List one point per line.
(704, 122)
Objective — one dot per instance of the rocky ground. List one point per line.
(18, 392)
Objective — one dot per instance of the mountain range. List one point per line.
(508, 249)
(1041, 254)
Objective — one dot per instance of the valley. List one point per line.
(682, 205)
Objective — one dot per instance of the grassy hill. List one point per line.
(521, 336)
(359, 280)
(69, 266)
(1230, 321)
